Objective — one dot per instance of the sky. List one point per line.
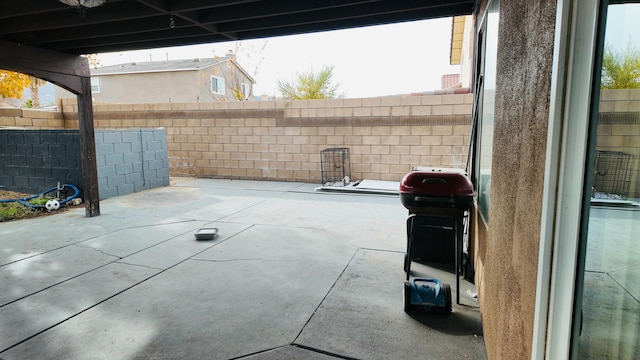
(371, 61)
(623, 27)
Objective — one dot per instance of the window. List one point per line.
(95, 85)
(218, 85)
(246, 90)
(488, 49)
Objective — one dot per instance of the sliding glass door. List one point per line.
(607, 292)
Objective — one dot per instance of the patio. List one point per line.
(294, 273)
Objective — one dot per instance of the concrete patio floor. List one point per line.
(293, 274)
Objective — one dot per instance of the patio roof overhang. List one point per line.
(119, 25)
(43, 38)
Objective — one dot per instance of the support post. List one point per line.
(88, 149)
(72, 73)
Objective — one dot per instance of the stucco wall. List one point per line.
(163, 87)
(177, 86)
(507, 255)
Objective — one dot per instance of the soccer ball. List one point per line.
(52, 204)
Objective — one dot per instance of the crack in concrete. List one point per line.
(98, 250)
(140, 265)
(251, 259)
(323, 352)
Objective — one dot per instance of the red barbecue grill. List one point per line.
(438, 192)
(437, 200)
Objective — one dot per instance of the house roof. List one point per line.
(166, 66)
(158, 66)
(457, 34)
(119, 25)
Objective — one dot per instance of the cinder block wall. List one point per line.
(131, 160)
(619, 130)
(35, 160)
(32, 119)
(282, 140)
(128, 160)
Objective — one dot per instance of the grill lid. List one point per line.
(437, 182)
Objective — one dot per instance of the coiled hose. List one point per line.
(25, 200)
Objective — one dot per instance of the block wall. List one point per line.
(128, 160)
(282, 140)
(131, 160)
(619, 129)
(33, 119)
(35, 160)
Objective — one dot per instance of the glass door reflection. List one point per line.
(607, 315)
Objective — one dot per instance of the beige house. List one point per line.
(170, 81)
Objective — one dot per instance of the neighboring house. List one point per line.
(462, 47)
(179, 81)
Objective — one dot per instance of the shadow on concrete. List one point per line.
(457, 323)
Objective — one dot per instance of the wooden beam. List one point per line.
(61, 69)
(72, 73)
(88, 150)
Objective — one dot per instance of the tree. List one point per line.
(234, 82)
(94, 61)
(310, 85)
(621, 70)
(12, 84)
(231, 79)
(34, 85)
(234, 78)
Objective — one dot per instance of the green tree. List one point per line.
(310, 85)
(12, 84)
(621, 70)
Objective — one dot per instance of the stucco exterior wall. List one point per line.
(507, 246)
(176, 86)
(163, 87)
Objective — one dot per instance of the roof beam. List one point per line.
(160, 6)
(351, 23)
(91, 32)
(404, 7)
(274, 8)
(70, 18)
(169, 34)
(62, 69)
(10, 9)
(121, 25)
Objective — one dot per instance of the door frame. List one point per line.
(567, 143)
